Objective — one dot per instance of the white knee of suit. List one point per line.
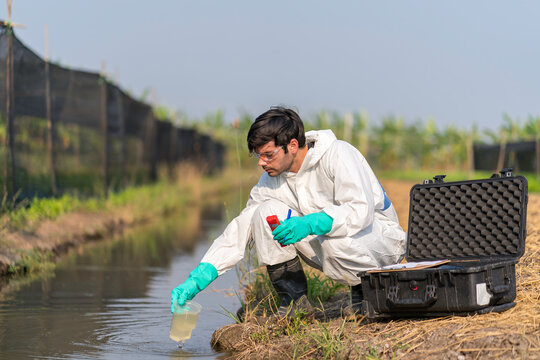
(269, 251)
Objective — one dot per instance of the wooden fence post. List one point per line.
(502, 151)
(172, 150)
(470, 155)
(363, 134)
(50, 125)
(150, 145)
(10, 141)
(104, 129)
(6, 141)
(347, 127)
(538, 147)
(123, 147)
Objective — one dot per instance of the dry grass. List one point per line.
(513, 334)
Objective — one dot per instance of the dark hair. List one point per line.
(278, 124)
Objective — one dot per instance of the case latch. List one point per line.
(393, 299)
(439, 179)
(506, 172)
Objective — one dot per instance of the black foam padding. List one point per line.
(467, 220)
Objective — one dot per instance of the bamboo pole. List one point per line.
(9, 143)
(10, 153)
(347, 127)
(470, 154)
(172, 150)
(50, 125)
(502, 151)
(6, 142)
(105, 130)
(150, 146)
(121, 119)
(364, 134)
(77, 135)
(538, 147)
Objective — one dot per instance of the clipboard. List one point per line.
(409, 266)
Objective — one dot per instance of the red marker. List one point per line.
(273, 221)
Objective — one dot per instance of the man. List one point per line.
(342, 221)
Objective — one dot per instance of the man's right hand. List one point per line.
(197, 281)
(183, 292)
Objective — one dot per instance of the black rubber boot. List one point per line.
(290, 283)
(289, 280)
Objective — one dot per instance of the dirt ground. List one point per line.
(513, 334)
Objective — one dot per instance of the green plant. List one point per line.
(320, 287)
(32, 262)
(329, 342)
(261, 336)
(29, 212)
(296, 324)
(372, 353)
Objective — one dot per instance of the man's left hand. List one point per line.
(292, 230)
(297, 228)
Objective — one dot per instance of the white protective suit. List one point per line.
(334, 178)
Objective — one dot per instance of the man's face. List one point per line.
(273, 159)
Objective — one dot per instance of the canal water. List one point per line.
(111, 299)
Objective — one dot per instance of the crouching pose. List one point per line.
(341, 220)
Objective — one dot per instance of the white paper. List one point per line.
(410, 265)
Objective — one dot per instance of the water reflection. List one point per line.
(112, 301)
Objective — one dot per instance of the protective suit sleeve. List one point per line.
(197, 281)
(320, 223)
(229, 248)
(357, 191)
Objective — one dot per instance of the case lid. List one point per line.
(468, 220)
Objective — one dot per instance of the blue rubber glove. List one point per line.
(198, 279)
(297, 228)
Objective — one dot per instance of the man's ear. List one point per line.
(293, 146)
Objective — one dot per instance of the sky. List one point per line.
(459, 62)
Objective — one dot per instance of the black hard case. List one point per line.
(480, 226)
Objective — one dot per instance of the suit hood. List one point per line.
(321, 140)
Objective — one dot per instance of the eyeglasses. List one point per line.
(267, 156)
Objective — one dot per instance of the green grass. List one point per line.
(30, 211)
(153, 199)
(262, 298)
(33, 262)
(321, 288)
(328, 342)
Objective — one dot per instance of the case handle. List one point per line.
(500, 289)
(393, 300)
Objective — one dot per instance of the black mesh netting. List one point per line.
(129, 140)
